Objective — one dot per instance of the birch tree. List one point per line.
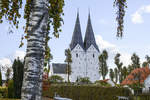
(39, 15)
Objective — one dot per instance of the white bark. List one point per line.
(32, 83)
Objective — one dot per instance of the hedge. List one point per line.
(87, 92)
(143, 97)
(3, 92)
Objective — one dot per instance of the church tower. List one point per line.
(92, 53)
(84, 54)
(78, 53)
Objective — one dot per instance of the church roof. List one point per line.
(59, 68)
(77, 36)
(89, 36)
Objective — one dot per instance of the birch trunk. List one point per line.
(34, 60)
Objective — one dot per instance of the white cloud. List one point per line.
(20, 54)
(137, 16)
(112, 51)
(5, 61)
(8, 61)
(104, 44)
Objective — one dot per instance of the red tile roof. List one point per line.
(139, 74)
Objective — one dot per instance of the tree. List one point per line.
(129, 69)
(69, 61)
(116, 74)
(145, 63)
(48, 59)
(121, 5)
(18, 67)
(39, 16)
(7, 74)
(84, 80)
(56, 79)
(124, 73)
(111, 74)
(135, 61)
(103, 67)
(119, 65)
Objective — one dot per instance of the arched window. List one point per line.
(76, 55)
(93, 55)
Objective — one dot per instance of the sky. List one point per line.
(136, 31)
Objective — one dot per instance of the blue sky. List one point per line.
(136, 32)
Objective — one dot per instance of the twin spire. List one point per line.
(89, 35)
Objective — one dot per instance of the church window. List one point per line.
(93, 55)
(76, 55)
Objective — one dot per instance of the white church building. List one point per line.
(85, 55)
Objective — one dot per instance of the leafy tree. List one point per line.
(7, 74)
(39, 16)
(18, 67)
(129, 69)
(103, 67)
(121, 5)
(84, 80)
(47, 61)
(119, 65)
(69, 61)
(56, 79)
(135, 61)
(124, 73)
(147, 61)
(116, 74)
(0, 77)
(112, 74)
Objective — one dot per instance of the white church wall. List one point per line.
(92, 63)
(78, 63)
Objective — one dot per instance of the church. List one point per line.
(85, 55)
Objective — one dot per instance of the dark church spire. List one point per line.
(89, 36)
(77, 36)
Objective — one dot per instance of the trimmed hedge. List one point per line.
(3, 92)
(143, 97)
(86, 92)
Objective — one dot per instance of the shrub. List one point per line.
(10, 89)
(86, 92)
(84, 80)
(55, 79)
(102, 83)
(3, 92)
